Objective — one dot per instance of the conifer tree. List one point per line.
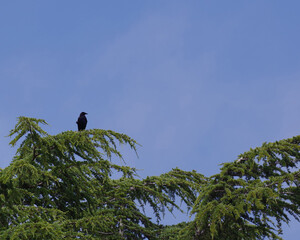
(63, 187)
(251, 197)
(60, 187)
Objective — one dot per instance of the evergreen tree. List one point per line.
(60, 187)
(63, 187)
(251, 197)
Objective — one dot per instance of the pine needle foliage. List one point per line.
(61, 187)
(251, 197)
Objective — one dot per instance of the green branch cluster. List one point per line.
(61, 187)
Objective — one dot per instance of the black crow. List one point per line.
(81, 121)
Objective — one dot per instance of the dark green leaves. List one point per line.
(65, 187)
(252, 196)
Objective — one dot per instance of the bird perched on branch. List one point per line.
(81, 121)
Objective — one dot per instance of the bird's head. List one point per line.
(82, 114)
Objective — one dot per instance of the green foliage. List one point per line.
(64, 187)
(61, 187)
(251, 197)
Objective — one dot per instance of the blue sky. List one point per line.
(196, 83)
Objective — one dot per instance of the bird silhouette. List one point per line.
(81, 121)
